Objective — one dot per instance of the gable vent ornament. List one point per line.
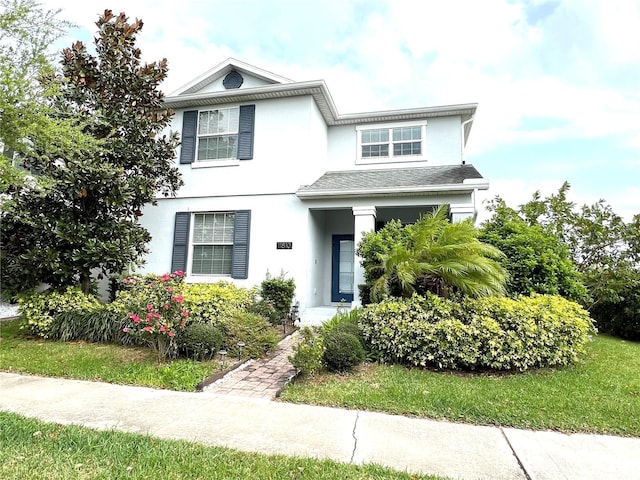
(232, 80)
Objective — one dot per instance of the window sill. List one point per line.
(391, 160)
(232, 162)
(203, 278)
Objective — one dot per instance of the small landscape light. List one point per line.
(223, 354)
(241, 345)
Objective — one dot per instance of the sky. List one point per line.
(557, 82)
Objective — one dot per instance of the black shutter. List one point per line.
(180, 242)
(245, 132)
(189, 129)
(241, 229)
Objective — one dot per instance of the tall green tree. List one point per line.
(87, 218)
(26, 34)
(536, 258)
(436, 256)
(605, 250)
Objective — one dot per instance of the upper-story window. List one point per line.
(217, 137)
(218, 134)
(392, 143)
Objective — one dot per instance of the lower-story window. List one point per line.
(212, 242)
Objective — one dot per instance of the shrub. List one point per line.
(307, 355)
(101, 324)
(342, 351)
(617, 309)
(155, 311)
(40, 310)
(257, 334)
(200, 341)
(536, 259)
(351, 317)
(212, 302)
(277, 295)
(496, 333)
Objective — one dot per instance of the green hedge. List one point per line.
(213, 302)
(40, 310)
(489, 333)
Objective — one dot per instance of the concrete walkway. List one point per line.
(259, 425)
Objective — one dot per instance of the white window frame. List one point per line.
(193, 244)
(216, 161)
(391, 158)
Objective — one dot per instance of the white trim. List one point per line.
(391, 158)
(320, 93)
(222, 69)
(226, 162)
(202, 277)
(387, 191)
(223, 161)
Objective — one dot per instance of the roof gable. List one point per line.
(212, 80)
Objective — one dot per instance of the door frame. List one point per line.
(336, 296)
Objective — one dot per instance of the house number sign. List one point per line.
(284, 245)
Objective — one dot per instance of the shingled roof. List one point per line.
(394, 181)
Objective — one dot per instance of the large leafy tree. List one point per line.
(536, 259)
(26, 34)
(605, 250)
(433, 255)
(87, 218)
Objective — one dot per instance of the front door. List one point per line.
(342, 255)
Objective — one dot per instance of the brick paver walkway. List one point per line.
(263, 378)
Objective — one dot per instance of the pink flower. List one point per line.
(182, 324)
(169, 289)
(171, 333)
(148, 329)
(163, 328)
(156, 315)
(126, 280)
(135, 318)
(178, 299)
(165, 278)
(184, 313)
(149, 315)
(179, 273)
(125, 329)
(166, 307)
(149, 307)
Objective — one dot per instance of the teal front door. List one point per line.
(342, 255)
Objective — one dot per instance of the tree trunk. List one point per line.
(85, 282)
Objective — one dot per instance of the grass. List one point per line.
(36, 450)
(95, 361)
(600, 394)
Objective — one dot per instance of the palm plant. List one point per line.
(442, 258)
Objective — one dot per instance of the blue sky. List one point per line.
(557, 82)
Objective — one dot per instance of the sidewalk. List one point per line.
(259, 425)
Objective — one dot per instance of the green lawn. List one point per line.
(600, 394)
(36, 450)
(94, 361)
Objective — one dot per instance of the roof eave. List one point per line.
(319, 91)
(477, 184)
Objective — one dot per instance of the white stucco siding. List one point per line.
(444, 141)
(442, 146)
(274, 218)
(249, 81)
(290, 149)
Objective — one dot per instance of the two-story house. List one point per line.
(277, 180)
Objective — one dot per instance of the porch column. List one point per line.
(364, 221)
(461, 212)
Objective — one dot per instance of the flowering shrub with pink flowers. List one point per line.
(155, 310)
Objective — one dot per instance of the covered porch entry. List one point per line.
(335, 271)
